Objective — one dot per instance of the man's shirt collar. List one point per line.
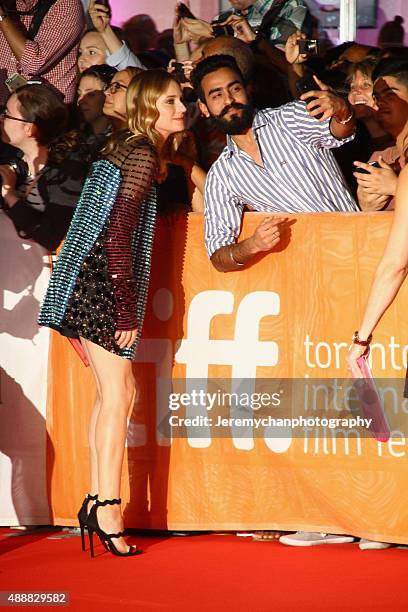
(260, 120)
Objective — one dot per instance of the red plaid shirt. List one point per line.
(52, 55)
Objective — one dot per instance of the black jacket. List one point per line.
(60, 187)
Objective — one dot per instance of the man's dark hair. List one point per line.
(102, 72)
(211, 64)
(393, 66)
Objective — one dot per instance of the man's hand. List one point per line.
(292, 48)
(241, 27)
(266, 235)
(379, 181)
(327, 104)
(125, 339)
(100, 16)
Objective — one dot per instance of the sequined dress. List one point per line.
(100, 282)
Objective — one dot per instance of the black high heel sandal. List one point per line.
(106, 538)
(83, 516)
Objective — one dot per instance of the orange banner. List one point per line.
(290, 314)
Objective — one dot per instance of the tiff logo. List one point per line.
(197, 351)
(244, 353)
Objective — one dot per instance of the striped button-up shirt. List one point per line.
(299, 174)
(52, 55)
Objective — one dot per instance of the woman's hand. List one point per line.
(355, 352)
(125, 339)
(100, 16)
(8, 179)
(379, 181)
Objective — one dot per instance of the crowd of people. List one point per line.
(101, 127)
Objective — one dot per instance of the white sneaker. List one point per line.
(307, 538)
(373, 545)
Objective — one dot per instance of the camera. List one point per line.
(14, 82)
(222, 30)
(308, 46)
(11, 157)
(179, 73)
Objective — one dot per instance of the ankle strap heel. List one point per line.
(106, 538)
(83, 515)
(108, 502)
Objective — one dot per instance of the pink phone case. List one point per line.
(80, 351)
(371, 402)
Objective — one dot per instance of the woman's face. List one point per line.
(12, 125)
(361, 93)
(171, 111)
(91, 98)
(92, 51)
(115, 96)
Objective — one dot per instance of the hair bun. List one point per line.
(398, 19)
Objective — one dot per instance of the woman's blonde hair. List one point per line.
(141, 101)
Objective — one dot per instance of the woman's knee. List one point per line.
(119, 391)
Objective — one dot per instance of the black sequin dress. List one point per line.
(100, 282)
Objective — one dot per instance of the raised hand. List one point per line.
(292, 48)
(241, 27)
(100, 15)
(326, 103)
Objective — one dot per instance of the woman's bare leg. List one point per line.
(117, 391)
(93, 461)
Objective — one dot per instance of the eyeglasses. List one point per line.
(114, 87)
(4, 115)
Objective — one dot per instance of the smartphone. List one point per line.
(364, 171)
(179, 73)
(15, 81)
(305, 84)
(371, 402)
(308, 46)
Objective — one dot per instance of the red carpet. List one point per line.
(206, 573)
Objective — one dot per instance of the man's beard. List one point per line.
(238, 124)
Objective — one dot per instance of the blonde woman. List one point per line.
(97, 292)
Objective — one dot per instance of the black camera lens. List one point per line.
(179, 73)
